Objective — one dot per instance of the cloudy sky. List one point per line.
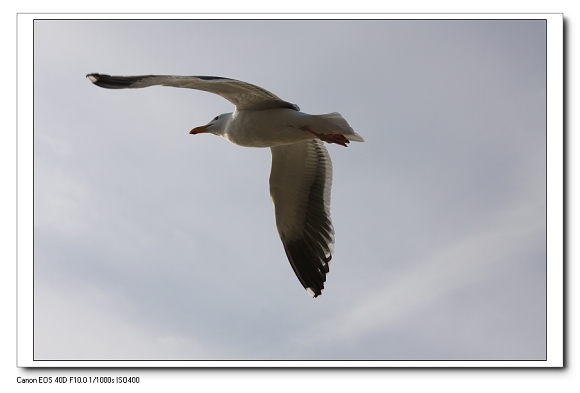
(150, 243)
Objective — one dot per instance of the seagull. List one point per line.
(301, 174)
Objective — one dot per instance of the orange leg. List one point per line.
(339, 139)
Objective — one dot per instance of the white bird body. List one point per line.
(301, 175)
(275, 127)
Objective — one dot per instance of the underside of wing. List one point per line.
(300, 184)
(243, 95)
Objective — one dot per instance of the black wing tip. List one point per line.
(113, 82)
(309, 266)
(93, 77)
(314, 292)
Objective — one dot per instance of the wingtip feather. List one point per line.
(93, 77)
(312, 293)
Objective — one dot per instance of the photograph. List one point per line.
(264, 191)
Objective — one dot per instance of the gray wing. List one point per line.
(243, 95)
(300, 184)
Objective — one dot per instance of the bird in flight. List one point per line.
(301, 175)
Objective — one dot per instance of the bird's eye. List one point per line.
(215, 118)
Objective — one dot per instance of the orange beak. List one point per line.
(198, 130)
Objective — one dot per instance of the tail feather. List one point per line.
(334, 123)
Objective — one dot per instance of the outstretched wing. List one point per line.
(243, 95)
(300, 183)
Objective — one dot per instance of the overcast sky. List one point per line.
(150, 243)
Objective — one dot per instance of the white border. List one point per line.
(554, 195)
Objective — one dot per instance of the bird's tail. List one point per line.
(334, 123)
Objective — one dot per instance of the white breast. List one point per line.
(267, 128)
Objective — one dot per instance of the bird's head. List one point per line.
(217, 126)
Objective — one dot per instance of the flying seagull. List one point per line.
(301, 174)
